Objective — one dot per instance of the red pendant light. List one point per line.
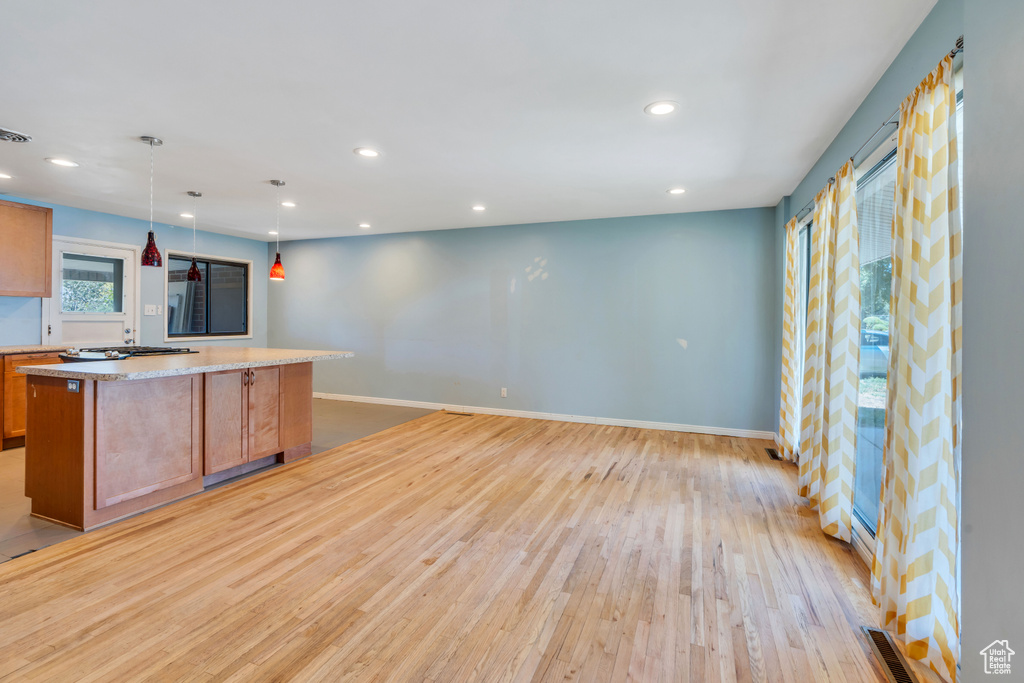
(277, 270)
(193, 272)
(151, 254)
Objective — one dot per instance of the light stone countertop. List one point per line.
(32, 348)
(209, 359)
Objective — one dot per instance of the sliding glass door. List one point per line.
(875, 195)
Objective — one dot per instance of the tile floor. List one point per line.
(334, 423)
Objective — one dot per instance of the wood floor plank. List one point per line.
(455, 548)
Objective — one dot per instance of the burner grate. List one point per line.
(133, 351)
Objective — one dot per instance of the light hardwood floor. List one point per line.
(456, 548)
(334, 423)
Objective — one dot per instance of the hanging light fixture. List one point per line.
(193, 272)
(151, 255)
(277, 270)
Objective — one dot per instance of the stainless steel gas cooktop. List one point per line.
(119, 353)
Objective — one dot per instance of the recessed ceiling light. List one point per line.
(290, 205)
(364, 226)
(366, 152)
(479, 207)
(62, 162)
(187, 215)
(4, 176)
(660, 108)
(676, 190)
(272, 232)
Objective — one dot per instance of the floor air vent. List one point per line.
(773, 454)
(893, 663)
(452, 412)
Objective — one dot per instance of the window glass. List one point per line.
(228, 288)
(91, 284)
(186, 301)
(960, 150)
(875, 198)
(803, 287)
(216, 306)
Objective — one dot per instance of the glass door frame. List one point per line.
(51, 307)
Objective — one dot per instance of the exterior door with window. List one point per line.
(94, 294)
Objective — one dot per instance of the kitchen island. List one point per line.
(108, 439)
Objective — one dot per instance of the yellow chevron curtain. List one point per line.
(914, 569)
(792, 349)
(828, 436)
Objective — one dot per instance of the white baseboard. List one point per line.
(615, 422)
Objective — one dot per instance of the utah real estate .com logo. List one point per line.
(997, 657)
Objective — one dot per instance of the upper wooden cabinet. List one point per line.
(25, 243)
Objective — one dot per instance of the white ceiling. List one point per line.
(533, 108)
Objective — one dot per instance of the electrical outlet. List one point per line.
(159, 309)
(150, 309)
(504, 392)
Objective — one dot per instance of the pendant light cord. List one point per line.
(278, 235)
(195, 210)
(151, 185)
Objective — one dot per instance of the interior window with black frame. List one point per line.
(216, 306)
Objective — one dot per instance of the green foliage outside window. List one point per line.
(83, 296)
(875, 286)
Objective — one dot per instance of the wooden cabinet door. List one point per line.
(226, 420)
(264, 412)
(25, 233)
(14, 404)
(148, 436)
(14, 390)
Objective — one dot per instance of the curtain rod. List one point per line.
(959, 47)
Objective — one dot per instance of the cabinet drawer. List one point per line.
(14, 360)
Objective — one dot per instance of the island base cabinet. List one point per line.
(148, 436)
(99, 451)
(243, 417)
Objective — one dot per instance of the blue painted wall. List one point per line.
(933, 39)
(20, 318)
(452, 316)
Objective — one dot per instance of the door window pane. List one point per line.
(91, 284)
(875, 197)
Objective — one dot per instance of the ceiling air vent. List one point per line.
(14, 136)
